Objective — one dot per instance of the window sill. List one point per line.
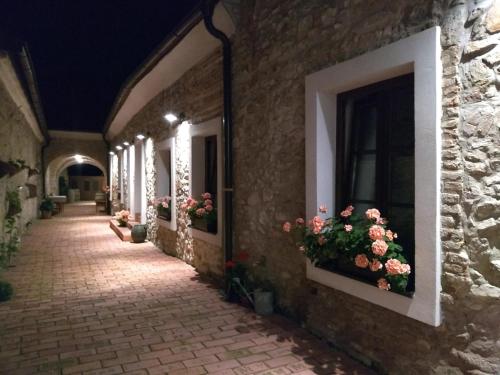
(163, 223)
(211, 238)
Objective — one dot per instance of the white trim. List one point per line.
(131, 181)
(205, 129)
(192, 49)
(169, 144)
(419, 53)
(81, 136)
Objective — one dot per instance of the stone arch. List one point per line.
(60, 163)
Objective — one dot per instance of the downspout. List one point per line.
(207, 8)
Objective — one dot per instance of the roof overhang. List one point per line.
(12, 82)
(179, 53)
(81, 136)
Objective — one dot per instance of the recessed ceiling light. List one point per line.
(119, 147)
(170, 117)
(140, 136)
(79, 158)
(126, 144)
(111, 153)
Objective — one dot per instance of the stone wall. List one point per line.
(276, 45)
(17, 141)
(198, 93)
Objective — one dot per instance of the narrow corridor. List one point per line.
(85, 302)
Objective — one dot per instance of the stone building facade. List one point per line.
(278, 44)
(21, 138)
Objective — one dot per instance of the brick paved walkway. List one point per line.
(87, 303)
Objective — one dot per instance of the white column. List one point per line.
(131, 180)
(144, 203)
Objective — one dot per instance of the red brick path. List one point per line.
(86, 303)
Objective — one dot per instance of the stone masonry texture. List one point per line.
(198, 93)
(276, 45)
(17, 141)
(88, 303)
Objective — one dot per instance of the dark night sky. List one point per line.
(84, 50)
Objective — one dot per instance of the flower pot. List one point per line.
(203, 225)
(139, 233)
(263, 302)
(46, 214)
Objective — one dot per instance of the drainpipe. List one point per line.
(207, 9)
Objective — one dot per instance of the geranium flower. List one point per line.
(395, 267)
(376, 232)
(209, 208)
(389, 235)
(299, 221)
(348, 227)
(230, 264)
(379, 247)
(287, 226)
(323, 209)
(200, 212)
(206, 196)
(372, 213)
(164, 205)
(346, 213)
(361, 261)
(375, 265)
(383, 284)
(316, 224)
(208, 202)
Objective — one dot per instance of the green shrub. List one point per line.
(47, 205)
(6, 291)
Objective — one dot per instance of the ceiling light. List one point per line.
(170, 117)
(111, 153)
(119, 147)
(79, 158)
(140, 136)
(126, 144)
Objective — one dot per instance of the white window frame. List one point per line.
(168, 144)
(419, 54)
(206, 129)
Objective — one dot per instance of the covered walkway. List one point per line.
(85, 302)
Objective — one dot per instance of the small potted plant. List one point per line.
(122, 217)
(46, 208)
(202, 213)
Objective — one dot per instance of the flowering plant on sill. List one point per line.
(363, 243)
(122, 217)
(163, 208)
(203, 210)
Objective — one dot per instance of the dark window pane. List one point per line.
(402, 179)
(211, 164)
(364, 177)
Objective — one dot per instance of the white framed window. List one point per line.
(206, 171)
(165, 180)
(420, 55)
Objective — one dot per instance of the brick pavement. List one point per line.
(87, 303)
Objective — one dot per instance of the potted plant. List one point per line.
(263, 295)
(202, 213)
(163, 209)
(359, 246)
(46, 207)
(122, 217)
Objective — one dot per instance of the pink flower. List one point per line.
(321, 240)
(206, 196)
(350, 208)
(208, 202)
(376, 232)
(193, 203)
(395, 267)
(372, 213)
(379, 247)
(323, 209)
(184, 206)
(200, 212)
(346, 213)
(164, 205)
(348, 227)
(389, 235)
(383, 284)
(381, 221)
(316, 224)
(209, 208)
(299, 221)
(361, 261)
(287, 226)
(375, 265)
